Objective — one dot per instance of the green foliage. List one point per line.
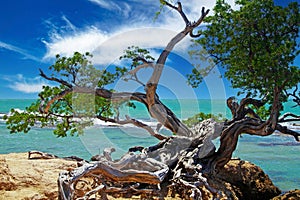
(263, 112)
(70, 64)
(23, 121)
(137, 55)
(161, 7)
(203, 116)
(71, 112)
(195, 78)
(256, 44)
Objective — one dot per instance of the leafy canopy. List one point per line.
(256, 45)
(69, 112)
(70, 71)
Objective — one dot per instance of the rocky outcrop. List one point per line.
(30, 179)
(7, 181)
(36, 179)
(291, 195)
(247, 181)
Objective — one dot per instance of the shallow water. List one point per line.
(277, 155)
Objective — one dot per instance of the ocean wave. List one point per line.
(2, 114)
(1, 117)
(96, 122)
(103, 124)
(291, 125)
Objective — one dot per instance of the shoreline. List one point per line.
(23, 178)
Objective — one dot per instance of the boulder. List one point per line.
(247, 181)
(290, 195)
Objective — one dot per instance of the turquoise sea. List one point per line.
(277, 155)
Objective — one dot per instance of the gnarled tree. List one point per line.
(252, 52)
(256, 45)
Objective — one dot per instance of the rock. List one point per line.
(7, 181)
(290, 195)
(35, 179)
(248, 181)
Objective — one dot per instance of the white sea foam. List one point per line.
(100, 123)
(152, 123)
(291, 125)
(1, 117)
(96, 122)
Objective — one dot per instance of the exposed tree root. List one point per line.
(171, 167)
(42, 155)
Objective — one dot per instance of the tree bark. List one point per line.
(241, 123)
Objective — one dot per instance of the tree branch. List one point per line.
(140, 58)
(295, 96)
(134, 122)
(61, 81)
(139, 67)
(179, 9)
(242, 124)
(285, 130)
(194, 35)
(200, 20)
(239, 111)
(294, 117)
(134, 71)
(152, 83)
(55, 98)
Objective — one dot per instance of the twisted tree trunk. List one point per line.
(242, 123)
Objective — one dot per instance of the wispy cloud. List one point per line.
(121, 7)
(84, 41)
(69, 24)
(27, 87)
(105, 4)
(108, 46)
(23, 84)
(18, 50)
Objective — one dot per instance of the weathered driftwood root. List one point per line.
(171, 167)
(43, 155)
(103, 178)
(40, 155)
(117, 178)
(100, 179)
(188, 177)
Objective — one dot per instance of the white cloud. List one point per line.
(23, 84)
(112, 48)
(27, 87)
(106, 4)
(108, 46)
(18, 50)
(121, 7)
(84, 41)
(69, 24)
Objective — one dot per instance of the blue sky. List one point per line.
(32, 32)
